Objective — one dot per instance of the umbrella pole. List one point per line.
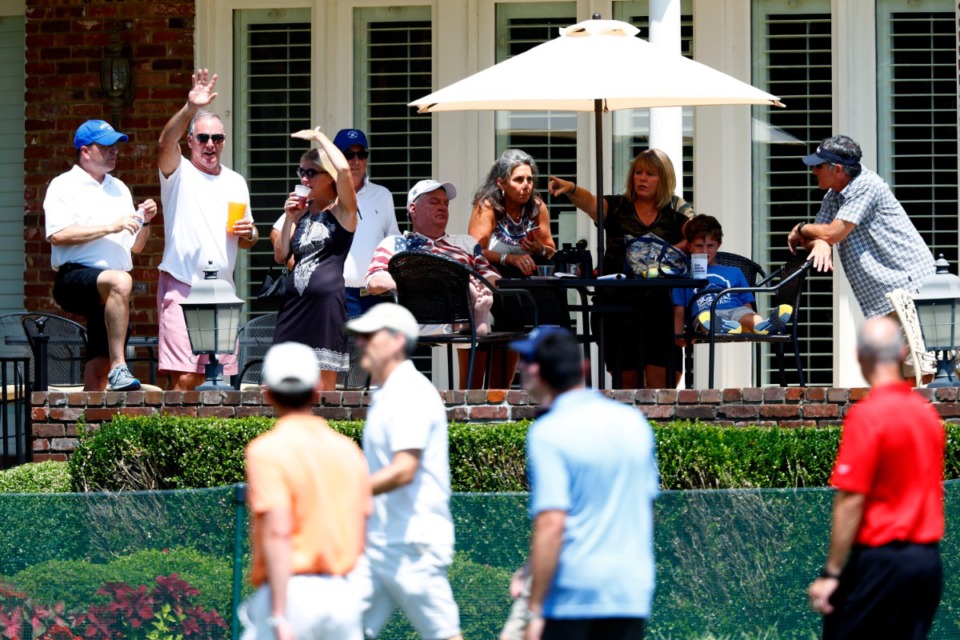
(598, 152)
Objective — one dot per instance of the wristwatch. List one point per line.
(800, 229)
(274, 621)
(825, 573)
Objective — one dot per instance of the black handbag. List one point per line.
(273, 288)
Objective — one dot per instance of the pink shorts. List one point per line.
(173, 343)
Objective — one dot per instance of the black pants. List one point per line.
(594, 629)
(889, 592)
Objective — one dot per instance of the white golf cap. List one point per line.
(386, 315)
(426, 186)
(291, 367)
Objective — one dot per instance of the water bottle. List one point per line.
(140, 216)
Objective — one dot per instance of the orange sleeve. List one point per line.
(267, 487)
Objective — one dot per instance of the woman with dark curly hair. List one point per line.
(510, 220)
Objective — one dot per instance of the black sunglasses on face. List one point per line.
(308, 173)
(362, 154)
(203, 138)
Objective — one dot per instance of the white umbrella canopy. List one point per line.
(595, 65)
(590, 61)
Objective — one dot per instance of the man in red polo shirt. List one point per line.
(883, 577)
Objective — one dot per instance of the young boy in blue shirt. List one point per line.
(734, 311)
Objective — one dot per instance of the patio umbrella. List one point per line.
(595, 65)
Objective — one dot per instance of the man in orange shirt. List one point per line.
(309, 494)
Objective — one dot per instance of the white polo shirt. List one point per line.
(75, 197)
(195, 221)
(407, 413)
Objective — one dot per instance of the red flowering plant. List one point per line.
(20, 619)
(160, 613)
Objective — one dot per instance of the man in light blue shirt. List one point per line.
(593, 477)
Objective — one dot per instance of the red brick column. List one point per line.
(65, 43)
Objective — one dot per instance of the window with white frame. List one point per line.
(791, 54)
(631, 128)
(272, 57)
(917, 115)
(393, 66)
(549, 136)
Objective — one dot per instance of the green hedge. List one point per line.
(36, 477)
(180, 453)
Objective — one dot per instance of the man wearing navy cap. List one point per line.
(378, 219)
(93, 227)
(593, 479)
(879, 247)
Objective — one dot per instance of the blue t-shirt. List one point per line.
(719, 278)
(594, 458)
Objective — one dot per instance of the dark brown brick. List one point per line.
(732, 395)
(457, 414)
(688, 396)
(659, 412)
(488, 413)
(779, 411)
(476, 396)
(815, 394)
(626, 396)
(838, 395)
(49, 431)
(738, 411)
(645, 396)
(774, 394)
(64, 415)
(351, 398)
(333, 413)
(711, 396)
(821, 411)
(453, 397)
(694, 412)
(666, 396)
(751, 394)
(858, 394)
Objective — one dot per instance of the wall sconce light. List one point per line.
(114, 75)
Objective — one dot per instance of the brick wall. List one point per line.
(65, 43)
(55, 415)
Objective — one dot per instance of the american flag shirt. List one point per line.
(462, 248)
(884, 251)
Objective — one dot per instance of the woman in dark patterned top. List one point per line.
(648, 205)
(318, 231)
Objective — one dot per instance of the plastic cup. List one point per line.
(302, 191)
(235, 212)
(698, 264)
(545, 270)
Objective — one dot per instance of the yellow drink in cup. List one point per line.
(235, 212)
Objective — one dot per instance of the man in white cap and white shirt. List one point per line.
(410, 533)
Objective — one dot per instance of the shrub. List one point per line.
(36, 477)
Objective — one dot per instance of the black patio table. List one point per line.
(583, 286)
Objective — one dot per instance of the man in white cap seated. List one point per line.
(309, 493)
(428, 205)
(410, 533)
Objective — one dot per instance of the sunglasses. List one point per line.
(310, 174)
(204, 138)
(362, 154)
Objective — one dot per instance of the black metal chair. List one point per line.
(255, 338)
(754, 273)
(13, 341)
(436, 290)
(59, 347)
(786, 286)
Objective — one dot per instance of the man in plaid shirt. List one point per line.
(428, 205)
(879, 247)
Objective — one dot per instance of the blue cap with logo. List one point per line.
(821, 155)
(99, 132)
(527, 347)
(346, 138)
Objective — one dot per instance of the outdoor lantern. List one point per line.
(114, 75)
(212, 314)
(936, 305)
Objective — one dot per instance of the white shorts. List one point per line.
(318, 608)
(412, 577)
(173, 344)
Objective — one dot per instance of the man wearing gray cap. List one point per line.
(93, 227)
(879, 247)
(309, 495)
(410, 533)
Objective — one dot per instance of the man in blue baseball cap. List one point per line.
(93, 227)
(593, 479)
(378, 219)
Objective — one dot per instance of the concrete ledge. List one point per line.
(56, 413)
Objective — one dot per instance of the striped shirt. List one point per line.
(462, 248)
(884, 251)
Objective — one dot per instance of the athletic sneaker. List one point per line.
(726, 326)
(776, 322)
(121, 379)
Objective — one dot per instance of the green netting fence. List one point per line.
(157, 565)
